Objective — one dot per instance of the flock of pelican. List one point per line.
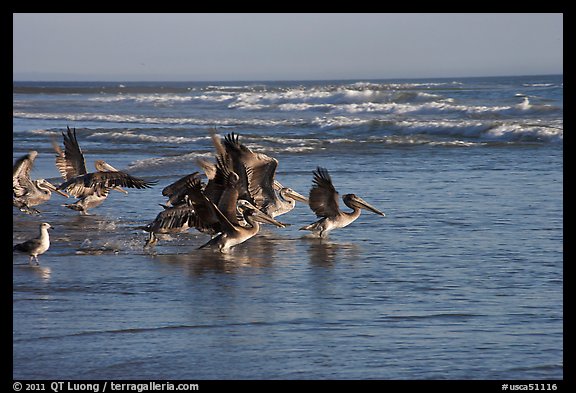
(240, 193)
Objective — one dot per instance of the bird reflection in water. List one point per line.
(260, 253)
(327, 253)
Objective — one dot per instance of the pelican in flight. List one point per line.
(257, 173)
(27, 192)
(324, 202)
(36, 246)
(91, 188)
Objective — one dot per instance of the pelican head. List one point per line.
(287, 193)
(48, 187)
(103, 166)
(355, 202)
(246, 207)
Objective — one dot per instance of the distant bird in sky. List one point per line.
(36, 246)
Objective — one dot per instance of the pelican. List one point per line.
(257, 172)
(177, 211)
(285, 202)
(172, 219)
(36, 246)
(324, 202)
(233, 234)
(27, 192)
(91, 188)
(221, 217)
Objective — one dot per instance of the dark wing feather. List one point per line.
(261, 183)
(171, 218)
(28, 245)
(208, 218)
(101, 182)
(256, 172)
(114, 179)
(323, 196)
(176, 191)
(229, 180)
(70, 162)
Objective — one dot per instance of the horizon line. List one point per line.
(280, 80)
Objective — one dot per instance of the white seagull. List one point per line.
(36, 246)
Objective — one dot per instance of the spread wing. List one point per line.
(323, 196)
(176, 191)
(101, 182)
(171, 217)
(256, 172)
(208, 217)
(70, 162)
(21, 174)
(261, 182)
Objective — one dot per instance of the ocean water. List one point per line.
(463, 278)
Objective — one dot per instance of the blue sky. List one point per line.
(200, 47)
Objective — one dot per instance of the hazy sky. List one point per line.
(124, 47)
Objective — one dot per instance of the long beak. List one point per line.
(263, 217)
(296, 196)
(53, 188)
(365, 205)
(120, 189)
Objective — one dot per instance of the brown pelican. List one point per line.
(257, 172)
(172, 219)
(177, 211)
(221, 217)
(324, 202)
(26, 192)
(92, 188)
(285, 202)
(232, 234)
(36, 246)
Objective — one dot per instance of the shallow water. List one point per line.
(462, 279)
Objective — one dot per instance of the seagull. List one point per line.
(91, 188)
(36, 246)
(27, 192)
(324, 202)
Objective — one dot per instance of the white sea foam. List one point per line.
(130, 136)
(538, 84)
(158, 162)
(150, 120)
(520, 132)
(151, 98)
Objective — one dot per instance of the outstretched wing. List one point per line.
(177, 190)
(21, 181)
(208, 217)
(256, 172)
(323, 196)
(70, 162)
(101, 182)
(171, 218)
